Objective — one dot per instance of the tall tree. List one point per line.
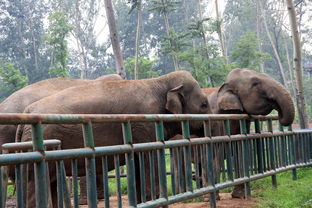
(137, 4)
(220, 33)
(276, 54)
(57, 32)
(164, 7)
(301, 106)
(120, 68)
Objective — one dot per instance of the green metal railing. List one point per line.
(197, 166)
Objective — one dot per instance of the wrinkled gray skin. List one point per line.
(246, 91)
(177, 92)
(19, 100)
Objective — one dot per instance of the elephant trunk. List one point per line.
(285, 105)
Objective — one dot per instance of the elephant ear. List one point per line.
(174, 100)
(227, 100)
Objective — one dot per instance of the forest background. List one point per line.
(70, 38)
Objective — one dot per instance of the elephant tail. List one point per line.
(19, 133)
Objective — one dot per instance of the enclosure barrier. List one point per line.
(197, 166)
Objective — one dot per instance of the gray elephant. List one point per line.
(177, 92)
(246, 91)
(19, 100)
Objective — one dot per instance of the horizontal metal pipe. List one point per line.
(209, 189)
(22, 118)
(18, 146)
(126, 148)
(20, 158)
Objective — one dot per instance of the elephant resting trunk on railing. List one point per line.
(247, 92)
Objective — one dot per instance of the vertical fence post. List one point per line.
(246, 158)
(90, 166)
(272, 150)
(211, 180)
(40, 167)
(187, 153)
(229, 161)
(127, 135)
(161, 161)
(259, 145)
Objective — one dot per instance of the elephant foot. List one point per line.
(239, 191)
(207, 197)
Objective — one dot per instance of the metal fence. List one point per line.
(165, 171)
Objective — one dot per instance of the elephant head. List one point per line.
(255, 93)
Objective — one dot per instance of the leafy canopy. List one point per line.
(246, 53)
(11, 79)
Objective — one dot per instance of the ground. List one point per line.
(225, 202)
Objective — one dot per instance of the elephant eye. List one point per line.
(255, 84)
(204, 105)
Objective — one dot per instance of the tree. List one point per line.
(246, 53)
(114, 38)
(276, 54)
(11, 79)
(57, 32)
(21, 42)
(145, 65)
(301, 106)
(137, 4)
(164, 7)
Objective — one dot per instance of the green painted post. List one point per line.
(211, 180)
(118, 183)
(229, 161)
(172, 173)
(187, 153)
(40, 167)
(75, 182)
(159, 127)
(142, 176)
(60, 193)
(90, 166)
(246, 158)
(271, 151)
(19, 186)
(259, 147)
(105, 181)
(152, 174)
(127, 136)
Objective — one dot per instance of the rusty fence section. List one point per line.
(160, 172)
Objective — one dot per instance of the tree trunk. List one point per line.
(167, 26)
(261, 65)
(120, 68)
(137, 38)
(277, 57)
(220, 34)
(303, 118)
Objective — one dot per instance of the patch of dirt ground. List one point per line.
(225, 202)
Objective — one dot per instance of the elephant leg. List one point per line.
(239, 191)
(83, 198)
(150, 167)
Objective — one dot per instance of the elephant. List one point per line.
(248, 92)
(19, 100)
(174, 93)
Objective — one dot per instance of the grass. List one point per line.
(289, 193)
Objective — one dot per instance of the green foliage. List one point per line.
(144, 67)
(174, 43)
(57, 32)
(11, 79)
(246, 52)
(289, 193)
(207, 71)
(164, 6)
